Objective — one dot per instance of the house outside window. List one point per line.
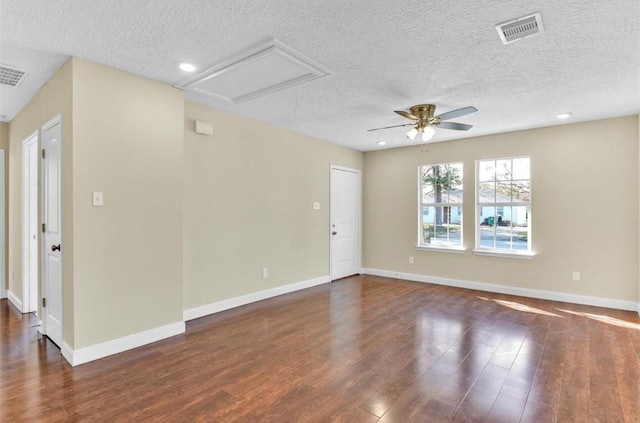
(503, 205)
(440, 205)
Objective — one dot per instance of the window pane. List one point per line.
(503, 237)
(453, 196)
(427, 233)
(442, 234)
(487, 226)
(521, 168)
(428, 194)
(519, 217)
(487, 192)
(503, 170)
(503, 192)
(520, 228)
(520, 192)
(427, 224)
(456, 176)
(446, 229)
(487, 170)
(427, 214)
(456, 215)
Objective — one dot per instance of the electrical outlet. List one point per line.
(575, 276)
(410, 260)
(265, 272)
(98, 199)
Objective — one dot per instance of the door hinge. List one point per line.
(44, 227)
(44, 302)
(43, 153)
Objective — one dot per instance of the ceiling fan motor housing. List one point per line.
(423, 111)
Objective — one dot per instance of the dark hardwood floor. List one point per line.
(363, 349)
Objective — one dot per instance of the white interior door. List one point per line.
(30, 165)
(345, 222)
(51, 240)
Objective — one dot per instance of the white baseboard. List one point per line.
(3, 292)
(207, 309)
(67, 353)
(14, 300)
(95, 352)
(510, 290)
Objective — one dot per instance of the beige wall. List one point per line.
(4, 135)
(584, 213)
(53, 99)
(248, 198)
(122, 263)
(128, 143)
(4, 145)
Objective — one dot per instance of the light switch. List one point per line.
(316, 206)
(98, 199)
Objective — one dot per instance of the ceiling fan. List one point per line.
(424, 120)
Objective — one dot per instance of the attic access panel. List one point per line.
(263, 71)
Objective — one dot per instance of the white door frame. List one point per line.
(43, 319)
(359, 173)
(3, 205)
(30, 259)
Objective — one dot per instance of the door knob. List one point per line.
(55, 247)
(334, 233)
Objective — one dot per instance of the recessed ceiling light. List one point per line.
(382, 142)
(187, 67)
(565, 115)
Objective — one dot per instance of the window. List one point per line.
(503, 199)
(440, 214)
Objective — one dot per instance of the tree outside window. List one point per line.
(440, 212)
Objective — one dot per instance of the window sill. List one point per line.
(524, 255)
(442, 249)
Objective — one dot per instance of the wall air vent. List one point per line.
(12, 76)
(520, 28)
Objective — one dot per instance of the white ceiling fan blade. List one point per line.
(388, 127)
(457, 113)
(455, 125)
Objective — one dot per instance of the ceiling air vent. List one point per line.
(11, 76)
(520, 28)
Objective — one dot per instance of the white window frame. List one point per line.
(502, 252)
(444, 247)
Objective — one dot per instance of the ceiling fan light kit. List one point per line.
(427, 133)
(425, 121)
(412, 134)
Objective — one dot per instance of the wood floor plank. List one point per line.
(480, 398)
(362, 349)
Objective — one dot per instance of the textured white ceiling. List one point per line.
(383, 56)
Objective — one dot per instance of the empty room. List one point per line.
(319, 211)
